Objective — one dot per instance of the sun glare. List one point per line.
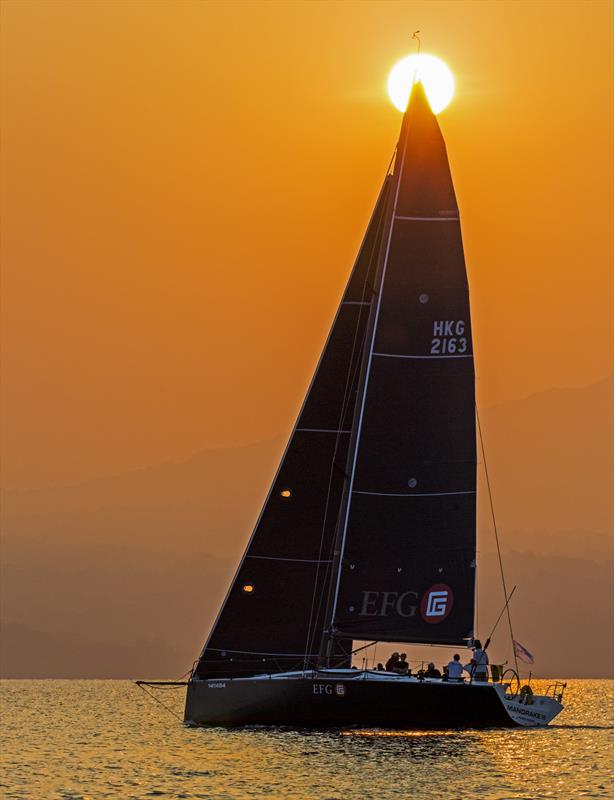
(435, 76)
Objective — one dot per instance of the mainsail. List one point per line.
(272, 618)
(406, 549)
(368, 531)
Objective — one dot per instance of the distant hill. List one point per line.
(123, 575)
(119, 574)
(551, 464)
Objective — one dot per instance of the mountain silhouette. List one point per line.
(123, 575)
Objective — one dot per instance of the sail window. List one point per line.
(248, 588)
(285, 493)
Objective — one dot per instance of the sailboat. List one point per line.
(368, 532)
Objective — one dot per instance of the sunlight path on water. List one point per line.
(73, 740)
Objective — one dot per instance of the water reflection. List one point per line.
(412, 733)
(75, 739)
(435, 746)
(584, 727)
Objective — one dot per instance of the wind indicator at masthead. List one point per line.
(432, 72)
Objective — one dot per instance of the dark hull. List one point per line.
(327, 701)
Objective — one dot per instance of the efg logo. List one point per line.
(436, 603)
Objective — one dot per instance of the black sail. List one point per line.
(407, 563)
(272, 618)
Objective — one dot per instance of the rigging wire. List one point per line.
(476, 590)
(494, 627)
(153, 697)
(494, 522)
(364, 647)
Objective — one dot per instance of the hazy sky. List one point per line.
(185, 185)
(184, 188)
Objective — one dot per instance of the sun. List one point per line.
(435, 76)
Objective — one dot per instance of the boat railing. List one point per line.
(556, 690)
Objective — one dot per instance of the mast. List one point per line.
(327, 642)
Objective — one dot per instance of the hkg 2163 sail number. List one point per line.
(448, 337)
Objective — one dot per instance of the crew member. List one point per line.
(390, 664)
(402, 667)
(479, 662)
(431, 671)
(455, 669)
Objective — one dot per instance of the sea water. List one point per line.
(73, 740)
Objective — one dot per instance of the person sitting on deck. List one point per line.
(479, 662)
(402, 667)
(455, 669)
(390, 664)
(431, 671)
(380, 668)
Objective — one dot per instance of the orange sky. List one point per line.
(185, 186)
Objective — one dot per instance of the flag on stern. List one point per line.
(522, 653)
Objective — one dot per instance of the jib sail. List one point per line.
(272, 618)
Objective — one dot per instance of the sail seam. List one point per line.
(430, 219)
(258, 652)
(406, 494)
(320, 430)
(356, 303)
(302, 560)
(401, 355)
